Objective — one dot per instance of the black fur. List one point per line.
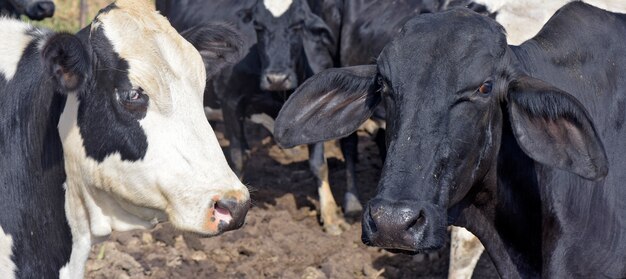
(99, 107)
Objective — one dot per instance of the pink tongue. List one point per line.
(222, 214)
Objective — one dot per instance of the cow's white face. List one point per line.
(138, 148)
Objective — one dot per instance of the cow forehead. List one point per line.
(444, 45)
(277, 7)
(158, 57)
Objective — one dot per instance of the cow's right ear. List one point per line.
(67, 61)
(218, 43)
(329, 105)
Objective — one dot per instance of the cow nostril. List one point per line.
(371, 223)
(223, 210)
(418, 221)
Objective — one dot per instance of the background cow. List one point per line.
(506, 141)
(117, 91)
(34, 9)
(287, 43)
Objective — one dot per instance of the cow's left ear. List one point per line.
(218, 43)
(554, 128)
(67, 61)
(319, 43)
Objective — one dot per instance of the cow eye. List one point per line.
(258, 26)
(133, 100)
(486, 87)
(296, 27)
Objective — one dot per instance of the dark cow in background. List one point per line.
(34, 9)
(87, 141)
(506, 141)
(288, 43)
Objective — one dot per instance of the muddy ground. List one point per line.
(282, 237)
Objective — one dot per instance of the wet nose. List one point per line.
(41, 10)
(230, 213)
(276, 78)
(395, 225)
(278, 81)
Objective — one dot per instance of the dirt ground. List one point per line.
(282, 237)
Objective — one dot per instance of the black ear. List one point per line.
(554, 128)
(67, 61)
(329, 105)
(218, 43)
(319, 43)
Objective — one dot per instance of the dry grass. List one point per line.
(66, 16)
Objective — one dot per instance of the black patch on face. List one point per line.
(107, 126)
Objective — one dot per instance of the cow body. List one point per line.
(32, 176)
(506, 141)
(34, 9)
(87, 143)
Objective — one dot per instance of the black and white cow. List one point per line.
(506, 141)
(34, 9)
(132, 147)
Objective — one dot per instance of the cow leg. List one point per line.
(351, 205)
(465, 250)
(233, 111)
(381, 144)
(329, 213)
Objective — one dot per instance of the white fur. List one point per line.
(277, 7)
(465, 250)
(523, 19)
(14, 42)
(183, 171)
(7, 267)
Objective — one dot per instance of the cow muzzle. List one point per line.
(278, 81)
(409, 226)
(226, 214)
(40, 10)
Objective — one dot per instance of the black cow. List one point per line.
(116, 90)
(506, 141)
(34, 9)
(288, 43)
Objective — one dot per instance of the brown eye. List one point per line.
(486, 87)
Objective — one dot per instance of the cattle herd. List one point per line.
(503, 117)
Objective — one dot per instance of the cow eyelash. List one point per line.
(296, 26)
(132, 95)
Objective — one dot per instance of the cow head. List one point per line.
(138, 148)
(287, 29)
(450, 85)
(34, 9)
